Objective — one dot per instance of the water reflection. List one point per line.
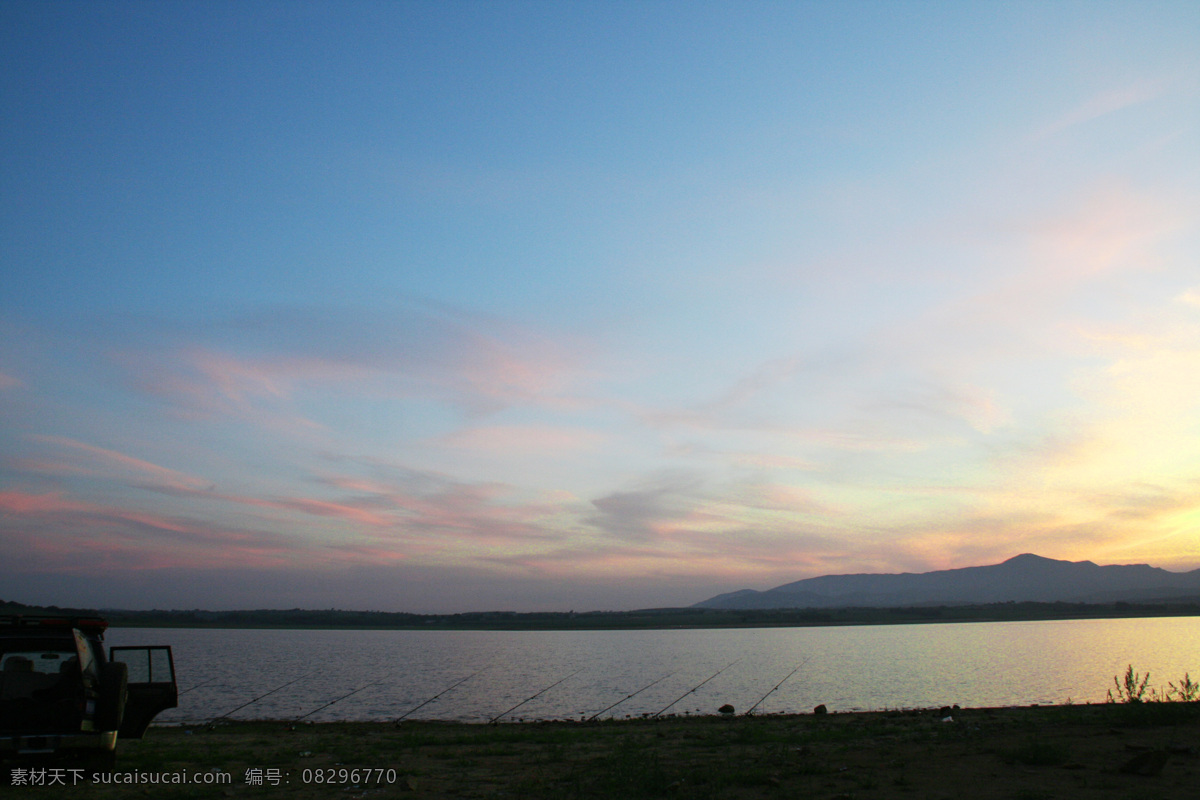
(381, 675)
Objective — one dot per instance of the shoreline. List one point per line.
(652, 619)
(1080, 751)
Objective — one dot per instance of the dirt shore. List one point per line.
(1126, 752)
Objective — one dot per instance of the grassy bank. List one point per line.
(1001, 754)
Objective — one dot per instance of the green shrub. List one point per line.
(1131, 688)
(1186, 691)
(1134, 688)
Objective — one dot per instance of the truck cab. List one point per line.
(62, 695)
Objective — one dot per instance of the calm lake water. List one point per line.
(846, 668)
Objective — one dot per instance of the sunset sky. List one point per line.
(437, 306)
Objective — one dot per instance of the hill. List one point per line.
(1023, 578)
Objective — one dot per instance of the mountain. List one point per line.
(1025, 577)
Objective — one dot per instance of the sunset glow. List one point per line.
(465, 306)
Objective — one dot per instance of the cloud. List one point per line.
(101, 461)
(1056, 264)
(409, 508)
(152, 477)
(49, 531)
(524, 439)
(386, 585)
(442, 517)
(1102, 104)
(924, 400)
(316, 507)
(236, 365)
(773, 461)
(642, 514)
(798, 411)
(1149, 502)
(759, 460)
(19, 502)
(676, 523)
(1191, 297)
(1108, 227)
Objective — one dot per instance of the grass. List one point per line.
(1002, 754)
(1140, 704)
(1131, 687)
(1135, 688)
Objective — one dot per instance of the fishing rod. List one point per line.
(628, 696)
(197, 686)
(781, 683)
(492, 721)
(400, 718)
(255, 700)
(697, 686)
(340, 699)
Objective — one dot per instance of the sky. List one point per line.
(453, 306)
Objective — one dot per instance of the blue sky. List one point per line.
(451, 306)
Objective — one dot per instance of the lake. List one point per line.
(381, 675)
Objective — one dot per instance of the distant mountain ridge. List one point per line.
(1023, 578)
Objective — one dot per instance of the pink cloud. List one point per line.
(18, 502)
(774, 461)
(1109, 227)
(205, 382)
(43, 466)
(67, 534)
(436, 513)
(306, 505)
(467, 515)
(368, 554)
(321, 508)
(1102, 104)
(169, 477)
(472, 362)
(737, 559)
(536, 439)
(498, 372)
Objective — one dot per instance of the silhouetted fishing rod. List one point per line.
(255, 700)
(697, 686)
(400, 718)
(338, 700)
(492, 721)
(781, 683)
(197, 686)
(628, 696)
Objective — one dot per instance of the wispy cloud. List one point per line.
(49, 531)
(251, 364)
(524, 439)
(21, 502)
(317, 507)
(445, 517)
(102, 461)
(641, 514)
(1102, 104)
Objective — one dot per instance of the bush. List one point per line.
(1187, 691)
(1131, 688)
(1134, 688)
